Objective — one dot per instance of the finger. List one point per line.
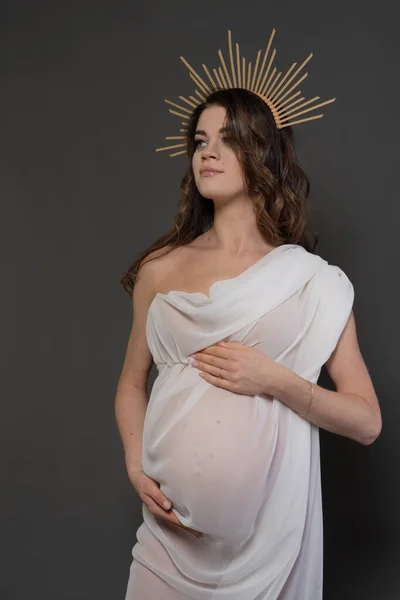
(152, 489)
(173, 519)
(219, 381)
(157, 510)
(232, 345)
(215, 371)
(214, 351)
(212, 361)
(167, 516)
(176, 521)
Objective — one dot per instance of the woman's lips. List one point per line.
(210, 173)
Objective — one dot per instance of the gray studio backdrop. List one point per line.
(83, 192)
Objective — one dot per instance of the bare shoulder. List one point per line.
(154, 262)
(138, 359)
(160, 265)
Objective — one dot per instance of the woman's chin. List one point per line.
(214, 192)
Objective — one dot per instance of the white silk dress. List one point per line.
(243, 470)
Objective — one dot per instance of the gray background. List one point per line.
(82, 193)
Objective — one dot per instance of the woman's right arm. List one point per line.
(131, 397)
(131, 402)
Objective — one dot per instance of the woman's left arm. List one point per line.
(353, 409)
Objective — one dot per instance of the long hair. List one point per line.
(274, 180)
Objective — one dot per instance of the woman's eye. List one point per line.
(197, 142)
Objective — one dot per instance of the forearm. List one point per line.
(130, 410)
(349, 415)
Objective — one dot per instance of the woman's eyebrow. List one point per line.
(202, 132)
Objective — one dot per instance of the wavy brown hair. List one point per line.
(273, 177)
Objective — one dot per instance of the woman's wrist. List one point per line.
(133, 467)
(293, 390)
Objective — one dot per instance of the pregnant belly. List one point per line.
(213, 461)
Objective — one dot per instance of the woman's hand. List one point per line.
(239, 368)
(150, 493)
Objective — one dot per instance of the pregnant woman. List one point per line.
(239, 315)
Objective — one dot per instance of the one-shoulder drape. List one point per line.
(244, 470)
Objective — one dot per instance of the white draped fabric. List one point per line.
(244, 470)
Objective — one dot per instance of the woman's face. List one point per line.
(214, 151)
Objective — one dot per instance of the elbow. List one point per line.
(373, 432)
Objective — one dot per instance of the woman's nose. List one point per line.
(210, 151)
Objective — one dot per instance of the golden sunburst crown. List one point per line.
(285, 104)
